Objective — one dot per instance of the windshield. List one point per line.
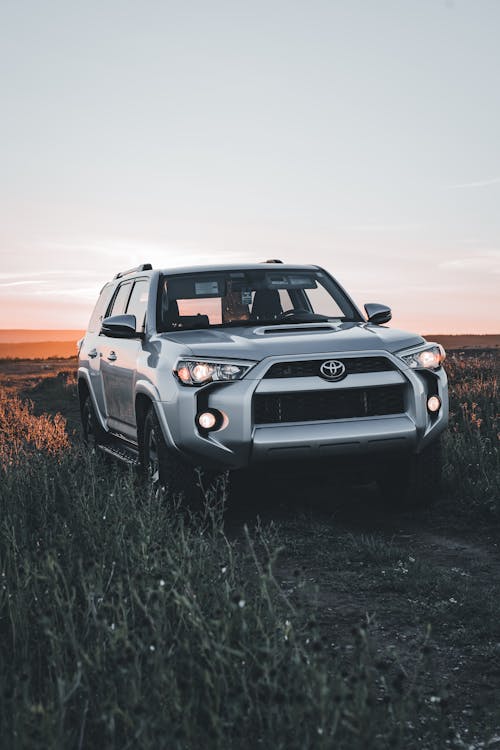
(238, 298)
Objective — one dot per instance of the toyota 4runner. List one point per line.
(208, 369)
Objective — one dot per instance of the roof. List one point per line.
(239, 267)
(146, 270)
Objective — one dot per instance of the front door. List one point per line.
(120, 357)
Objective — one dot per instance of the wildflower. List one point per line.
(162, 582)
(223, 569)
(152, 648)
(237, 599)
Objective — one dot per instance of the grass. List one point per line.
(126, 623)
(473, 458)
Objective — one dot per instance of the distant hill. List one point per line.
(24, 343)
(23, 335)
(49, 344)
(38, 350)
(466, 341)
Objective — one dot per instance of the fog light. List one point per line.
(433, 404)
(207, 420)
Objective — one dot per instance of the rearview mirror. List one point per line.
(377, 313)
(120, 327)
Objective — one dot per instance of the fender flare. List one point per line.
(146, 388)
(83, 375)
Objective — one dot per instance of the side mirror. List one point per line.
(378, 314)
(120, 327)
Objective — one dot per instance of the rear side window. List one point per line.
(120, 301)
(138, 302)
(100, 308)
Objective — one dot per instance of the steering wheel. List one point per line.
(292, 313)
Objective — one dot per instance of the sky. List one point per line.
(361, 136)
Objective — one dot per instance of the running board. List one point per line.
(122, 453)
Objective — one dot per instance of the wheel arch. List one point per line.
(83, 391)
(84, 387)
(146, 396)
(143, 403)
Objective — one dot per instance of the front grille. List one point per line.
(310, 367)
(312, 406)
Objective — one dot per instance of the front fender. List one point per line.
(83, 375)
(146, 388)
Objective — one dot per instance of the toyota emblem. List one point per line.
(332, 369)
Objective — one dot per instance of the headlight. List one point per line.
(427, 357)
(200, 372)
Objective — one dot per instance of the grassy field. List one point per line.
(301, 616)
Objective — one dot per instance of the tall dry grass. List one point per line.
(124, 624)
(472, 469)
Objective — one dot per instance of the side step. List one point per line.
(122, 452)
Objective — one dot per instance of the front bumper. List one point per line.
(241, 442)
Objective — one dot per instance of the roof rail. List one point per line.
(143, 267)
(273, 260)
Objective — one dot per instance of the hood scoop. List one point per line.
(308, 328)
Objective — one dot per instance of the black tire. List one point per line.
(413, 481)
(169, 474)
(92, 432)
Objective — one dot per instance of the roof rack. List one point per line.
(273, 260)
(143, 267)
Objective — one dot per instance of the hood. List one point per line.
(256, 343)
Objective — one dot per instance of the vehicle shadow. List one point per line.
(271, 495)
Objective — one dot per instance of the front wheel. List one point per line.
(413, 481)
(169, 473)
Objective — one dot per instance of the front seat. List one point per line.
(169, 312)
(266, 305)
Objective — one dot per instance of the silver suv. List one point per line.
(191, 372)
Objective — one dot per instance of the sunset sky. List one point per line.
(359, 135)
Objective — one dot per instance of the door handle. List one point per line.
(112, 357)
(93, 353)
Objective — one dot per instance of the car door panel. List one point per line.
(119, 363)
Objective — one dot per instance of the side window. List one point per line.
(138, 302)
(120, 301)
(100, 308)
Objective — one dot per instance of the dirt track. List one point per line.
(413, 578)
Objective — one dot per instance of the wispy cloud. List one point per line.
(380, 227)
(479, 183)
(33, 276)
(485, 260)
(22, 283)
